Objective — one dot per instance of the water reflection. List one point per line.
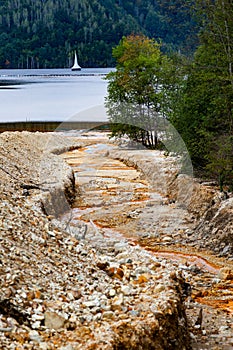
(51, 94)
(11, 84)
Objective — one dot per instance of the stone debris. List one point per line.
(71, 287)
(59, 291)
(165, 226)
(208, 211)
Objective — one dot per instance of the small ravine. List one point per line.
(115, 200)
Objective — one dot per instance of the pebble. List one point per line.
(159, 288)
(108, 315)
(92, 303)
(225, 273)
(34, 335)
(167, 239)
(126, 290)
(53, 320)
(67, 347)
(112, 292)
(120, 247)
(44, 346)
(36, 325)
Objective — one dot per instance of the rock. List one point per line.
(159, 288)
(225, 274)
(167, 239)
(117, 302)
(120, 247)
(76, 294)
(112, 292)
(102, 265)
(141, 279)
(115, 272)
(36, 317)
(224, 328)
(126, 290)
(53, 320)
(134, 313)
(108, 315)
(97, 317)
(141, 270)
(92, 303)
(67, 347)
(84, 286)
(227, 249)
(34, 335)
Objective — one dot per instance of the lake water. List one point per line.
(53, 95)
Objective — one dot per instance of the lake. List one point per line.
(53, 95)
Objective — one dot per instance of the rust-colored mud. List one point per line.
(191, 258)
(219, 296)
(100, 200)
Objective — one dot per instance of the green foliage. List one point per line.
(45, 33)
(204, 114)
(139, 88)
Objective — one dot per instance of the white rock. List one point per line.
(118, 300)
(120, 247)
(125, 290)
(73, 318)
(97, 317)
(167, 239)
(34, 335)
(141, 270)
(92, 303)
(36, 325)
(70, 296)
(223, 329)
(67, 347)
(36, 317)
(112, 292)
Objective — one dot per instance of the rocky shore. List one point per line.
(58, 291)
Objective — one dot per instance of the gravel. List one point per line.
(58, 291)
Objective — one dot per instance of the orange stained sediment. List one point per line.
(217, 296)
(217, 303)
(197, 260)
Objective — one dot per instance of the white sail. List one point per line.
(76, 66)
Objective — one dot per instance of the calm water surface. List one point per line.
(53, 95)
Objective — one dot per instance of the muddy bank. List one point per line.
(119, 199)
(59, 291)
(209, 211)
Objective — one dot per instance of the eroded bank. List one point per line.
(58, 290)
(119, 200)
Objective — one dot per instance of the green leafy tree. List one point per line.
(205, 114)
(139, 88)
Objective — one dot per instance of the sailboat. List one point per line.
(76, 66)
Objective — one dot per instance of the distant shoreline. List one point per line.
(48, 126)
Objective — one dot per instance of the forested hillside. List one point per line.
(45, 33)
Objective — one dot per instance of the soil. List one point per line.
(143, 259)
(119, 199)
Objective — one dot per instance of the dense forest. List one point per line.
(150, 88)
(45, 33)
